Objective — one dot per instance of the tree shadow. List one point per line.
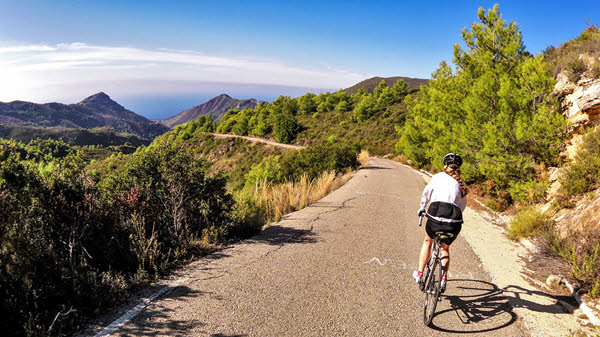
(278, 235)
(156, 319)
(482, 307)
(374, 167)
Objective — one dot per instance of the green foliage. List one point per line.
(286, 127)
(582, 175)
(584, 259)
(319, 158)
(529, 222)
(365, 108)
(267, 170)
(529, 192)
(69, 239)
(496, 110)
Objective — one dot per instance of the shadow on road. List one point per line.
(157, 320)
(480, 306)
(376, 168)
(278, 235)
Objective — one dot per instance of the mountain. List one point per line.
(98, 110)
(216, 108)
(370, 84)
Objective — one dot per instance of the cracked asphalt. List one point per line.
(340, 267)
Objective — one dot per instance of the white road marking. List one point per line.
(385, 261)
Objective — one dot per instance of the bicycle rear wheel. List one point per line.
(432, 291)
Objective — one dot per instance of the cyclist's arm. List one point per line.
(463, 203)
(426, 196)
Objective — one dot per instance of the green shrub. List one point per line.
(583, 258)
(249, 217)
(529, 222)
(318, 158)
(316, 115)
(267, 170)
(530, 192)
(332, 139)
(582, 176)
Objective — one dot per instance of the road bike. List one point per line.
(432, 276)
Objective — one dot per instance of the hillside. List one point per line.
(216, 108)
(78, 137)
(98, 110)
(370, 84)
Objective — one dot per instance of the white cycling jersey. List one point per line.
(443, 188)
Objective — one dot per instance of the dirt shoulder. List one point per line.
(543, 311)
(259, 140)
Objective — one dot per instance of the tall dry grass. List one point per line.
(281, 199)
(363, 158)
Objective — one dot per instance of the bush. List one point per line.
(319, 158)
(529, 222)
(583, 258)
(530, 192)
(582, 176)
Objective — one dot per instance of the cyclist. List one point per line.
(446, 195)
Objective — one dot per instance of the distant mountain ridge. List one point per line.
(98, 110)
(216, 107)
(370, 84)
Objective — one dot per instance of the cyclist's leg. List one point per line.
(425, 252)
(445, 257)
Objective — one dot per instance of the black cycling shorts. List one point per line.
(431, 227)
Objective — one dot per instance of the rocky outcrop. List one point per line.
(580, 101)
(217, 107)
(582, 219)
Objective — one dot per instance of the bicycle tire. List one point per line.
(432, 292)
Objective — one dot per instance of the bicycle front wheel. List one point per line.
(432, 291)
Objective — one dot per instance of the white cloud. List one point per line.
(70, 70)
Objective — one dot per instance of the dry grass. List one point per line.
(292, 196)
(363, 158)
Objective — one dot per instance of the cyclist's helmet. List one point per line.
(453, 158)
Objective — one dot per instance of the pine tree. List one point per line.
(496, 108)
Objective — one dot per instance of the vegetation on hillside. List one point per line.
(370, 84)
(102, 137)
(570, 55)
(369, 120)
(75, 236)
(93, 112)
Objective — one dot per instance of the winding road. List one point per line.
(340, 267)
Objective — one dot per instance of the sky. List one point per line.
(158, 58)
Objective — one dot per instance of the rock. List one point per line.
(598, 306)
(563, 85)
(554, 173)
(579, 314)
(553, 281)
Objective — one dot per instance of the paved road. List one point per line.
(341, 267)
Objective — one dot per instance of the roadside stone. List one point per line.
(579, 314)
(553, 281)
(598, 306)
